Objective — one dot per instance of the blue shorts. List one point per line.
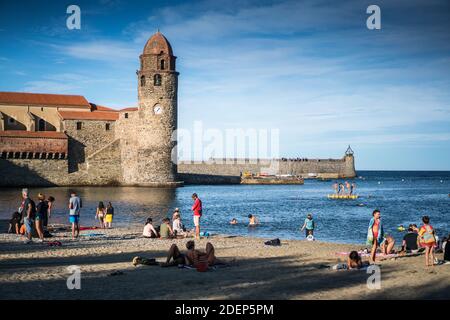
(28, 224)
(74, 219)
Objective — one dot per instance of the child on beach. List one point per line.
(149, 230)
(308, 225)
(427, 239)
(375, 233)
(109, 215)
(100, 214)
(14, 223)
(177, 226)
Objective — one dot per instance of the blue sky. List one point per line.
(309, 68)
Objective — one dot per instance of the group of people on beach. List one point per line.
(31, 216)
(166, 230)
(104, 215)
(417, 239)
(345, 188)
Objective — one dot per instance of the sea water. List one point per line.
(402, 198)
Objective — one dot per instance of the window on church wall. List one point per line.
(108, 126)
(163, 64)
(79, 125)
(157, 80)
(142, 81)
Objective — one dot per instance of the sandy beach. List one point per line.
(295, 270)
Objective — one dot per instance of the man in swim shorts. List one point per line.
(74, 214)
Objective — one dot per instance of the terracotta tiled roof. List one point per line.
(33, 134)
(128, 109)
(43, 99)
(158, 43)
(94, 115)
(96, 107)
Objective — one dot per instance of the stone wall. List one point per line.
(326, 168)
(92, 137)
(33, 172)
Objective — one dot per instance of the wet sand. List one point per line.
(295, 270)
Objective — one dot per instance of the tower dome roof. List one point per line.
(157, 44)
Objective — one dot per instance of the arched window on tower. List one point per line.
(142, 81)
(163, 64)
(157, 80)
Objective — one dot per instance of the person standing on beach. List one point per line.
(41, 213)
(427, 238)
(27, 210)
(109, 215)
(100, 214)
(50, 202)
(197, 209)
(308, 225)
(74, 214)
(375, 234)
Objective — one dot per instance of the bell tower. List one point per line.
(157, 113)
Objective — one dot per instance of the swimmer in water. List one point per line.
(233, 221)
(252, 220)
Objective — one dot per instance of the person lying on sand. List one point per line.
(192, 257)
(354, 261)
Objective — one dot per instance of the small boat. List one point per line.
(343, 196)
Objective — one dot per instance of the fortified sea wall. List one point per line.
(229, 170)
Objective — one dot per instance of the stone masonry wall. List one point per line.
(92, 137)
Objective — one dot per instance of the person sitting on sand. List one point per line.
(233, 221)
(409, 243)
(387, 246)
(177, 226)
(354, 261)
(252, 220)
(446, 248)
(165, 230)
(308, 225)
(149, 230)
(14, 223)
(427, 239)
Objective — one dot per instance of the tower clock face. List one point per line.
(157, 109)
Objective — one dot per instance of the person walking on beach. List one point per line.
(375, 234)
(100, 214)
(74, 214)
(427, 238)
(197, 209)
(27, 210)
(109, 215)
(308, 225)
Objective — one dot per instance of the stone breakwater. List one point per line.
(104, 168)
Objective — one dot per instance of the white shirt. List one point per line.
(177, 225)
(148, 228)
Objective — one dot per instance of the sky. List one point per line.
(310, 69)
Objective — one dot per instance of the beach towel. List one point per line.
(88, 228)
(92, 234)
